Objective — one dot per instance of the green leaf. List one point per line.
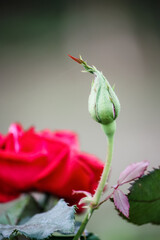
(43, 225)
(91, 236)
(144, 199)
(20, 211)
(87, 235)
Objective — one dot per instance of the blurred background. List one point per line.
(41, 86)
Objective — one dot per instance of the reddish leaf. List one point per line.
(121, 202)
(132, 172)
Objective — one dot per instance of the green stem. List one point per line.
(84, 223)
(100, 188)
(105, 173)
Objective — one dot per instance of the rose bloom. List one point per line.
(45, 161)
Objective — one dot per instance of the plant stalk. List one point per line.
(100, 188)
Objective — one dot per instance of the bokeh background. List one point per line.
(41, 86)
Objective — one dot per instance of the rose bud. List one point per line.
(103, 103)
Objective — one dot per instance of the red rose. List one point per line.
(46, 162)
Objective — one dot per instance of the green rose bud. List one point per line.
(103, 103)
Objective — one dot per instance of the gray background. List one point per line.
(41, 86)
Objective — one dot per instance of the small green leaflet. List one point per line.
(41, 226)
(144, 199)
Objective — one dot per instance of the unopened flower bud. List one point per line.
(103, 103)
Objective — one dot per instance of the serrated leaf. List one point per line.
(133, 171)
(20, 211)
(144, 199)
(40, 226)
(121, 202)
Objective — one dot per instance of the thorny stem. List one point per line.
(96, 198)
(109, 130)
